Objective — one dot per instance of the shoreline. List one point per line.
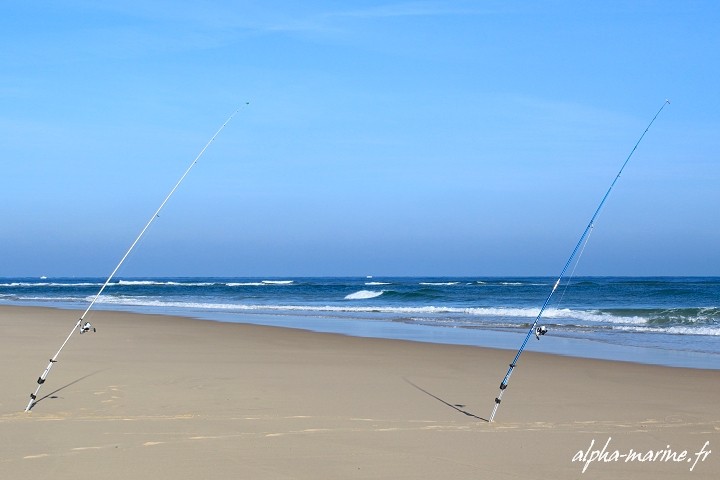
(560, 345)
(176, 397)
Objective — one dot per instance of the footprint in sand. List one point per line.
(112, 391)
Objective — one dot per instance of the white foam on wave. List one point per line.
(157, 283)
(364, 295)
(360, 295)
(592, 316)
(675, 330)
(370, 284)
(263, 283)
(46, 299)
(439, 284)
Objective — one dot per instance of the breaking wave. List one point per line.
(363, 295)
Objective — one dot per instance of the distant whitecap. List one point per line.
(363, 295)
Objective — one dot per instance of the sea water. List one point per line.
(665, 320)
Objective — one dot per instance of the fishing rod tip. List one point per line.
(667, 100)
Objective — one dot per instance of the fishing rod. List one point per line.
(87, 327)
(542, 330)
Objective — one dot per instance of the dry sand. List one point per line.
(159, 397)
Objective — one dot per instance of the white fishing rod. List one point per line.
(539, 331)
(86, 327)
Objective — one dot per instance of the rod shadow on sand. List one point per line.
(457, 407)
(51, 394)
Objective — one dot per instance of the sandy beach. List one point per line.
(151, 396)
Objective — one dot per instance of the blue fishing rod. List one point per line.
(539, 331)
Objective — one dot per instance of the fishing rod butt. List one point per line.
(492, 415)
(498, 400)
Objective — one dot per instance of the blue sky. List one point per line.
(382, 138)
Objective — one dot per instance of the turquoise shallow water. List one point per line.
(665, 320)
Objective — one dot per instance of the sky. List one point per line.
(385, 138)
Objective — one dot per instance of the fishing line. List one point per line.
(577, 262)
(539, 331)
(87, 327)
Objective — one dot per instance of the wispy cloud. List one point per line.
(332, 22)
(137, 29)
(413, 9)
(219, 17)
(309, 20)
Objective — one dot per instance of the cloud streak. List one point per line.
(413, 9)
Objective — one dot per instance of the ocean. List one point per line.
(672, 321)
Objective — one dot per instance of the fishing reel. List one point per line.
(541, 330)
(86, 328)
